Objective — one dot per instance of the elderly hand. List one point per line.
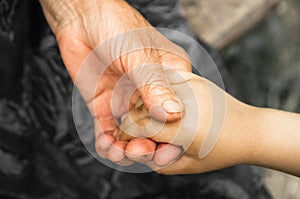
(80, 26)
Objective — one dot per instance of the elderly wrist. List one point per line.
(65, 12)
(59, 13)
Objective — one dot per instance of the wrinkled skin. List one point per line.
(80, 26)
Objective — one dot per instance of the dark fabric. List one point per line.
(41, 155)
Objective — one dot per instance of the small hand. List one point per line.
(179, 142)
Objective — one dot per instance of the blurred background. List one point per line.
(260, 44)
(41, 155)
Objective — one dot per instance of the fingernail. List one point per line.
(171, 106)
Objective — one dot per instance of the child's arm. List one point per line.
(248, 135)
(278, 140)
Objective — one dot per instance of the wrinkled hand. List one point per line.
(80, 26)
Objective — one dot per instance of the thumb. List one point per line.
(156, 91)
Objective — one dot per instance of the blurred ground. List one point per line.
(265, 67)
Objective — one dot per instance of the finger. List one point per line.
(140, 150)
(103, 143)
(158, 96)
(151, 81)
(184, 165)
(125, 162)
(97, 129)
(138, 124)
(102, 154)
(166, 153)
(124, 136)
(134, 122)
(116, 152)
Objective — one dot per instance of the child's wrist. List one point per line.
(242, 138)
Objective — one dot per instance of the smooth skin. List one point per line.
(250, 135)
(80, 26)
